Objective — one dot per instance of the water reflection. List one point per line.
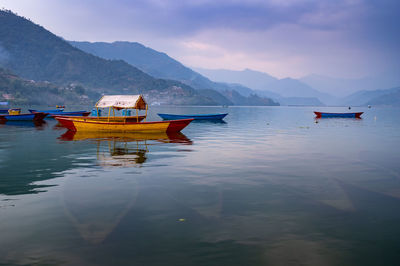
(39, 125)
(125, 136)
(95, 220)
(211, 121)
(96, 203)
(338, 118)
(124, 149)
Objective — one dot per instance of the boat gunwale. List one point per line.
(93, 118)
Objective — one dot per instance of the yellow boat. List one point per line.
(122, 123)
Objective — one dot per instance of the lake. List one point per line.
(269, 186)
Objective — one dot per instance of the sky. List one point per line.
(285, 38)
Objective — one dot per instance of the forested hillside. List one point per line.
(18, 91)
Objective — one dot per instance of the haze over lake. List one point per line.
(269, 186)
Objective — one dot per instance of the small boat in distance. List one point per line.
(338, 115)
(195, 117)
(73, 113)
(59, 110)
(23, 117)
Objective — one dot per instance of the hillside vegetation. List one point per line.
(18, 91)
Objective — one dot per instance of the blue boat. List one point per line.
(23, 117)
(59, 110)
(339, 115)
(195, 117)
(74, 113)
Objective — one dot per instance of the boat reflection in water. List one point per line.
(124, 149)
(103, 199)
(38, 124)
(216, 121)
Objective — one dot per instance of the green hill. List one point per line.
(33, 53)
(19, 91)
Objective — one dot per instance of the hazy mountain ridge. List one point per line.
(284, 90)
(390, 99)
(375, 97)
(301, 101)
(290, 91)
(150, 61)
(289, 87)
(343, 87)
(255, 80)
(162, 66)
(323, 87)
(32, 52)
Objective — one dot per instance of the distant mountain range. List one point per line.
(389, 97)
(160, 65)
(267, 85)
(302, 91)
(255, 80)
(341, 87)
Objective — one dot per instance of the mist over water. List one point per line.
(269, 186)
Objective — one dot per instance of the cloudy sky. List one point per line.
(338, 38)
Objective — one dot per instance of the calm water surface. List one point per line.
(270, 186)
